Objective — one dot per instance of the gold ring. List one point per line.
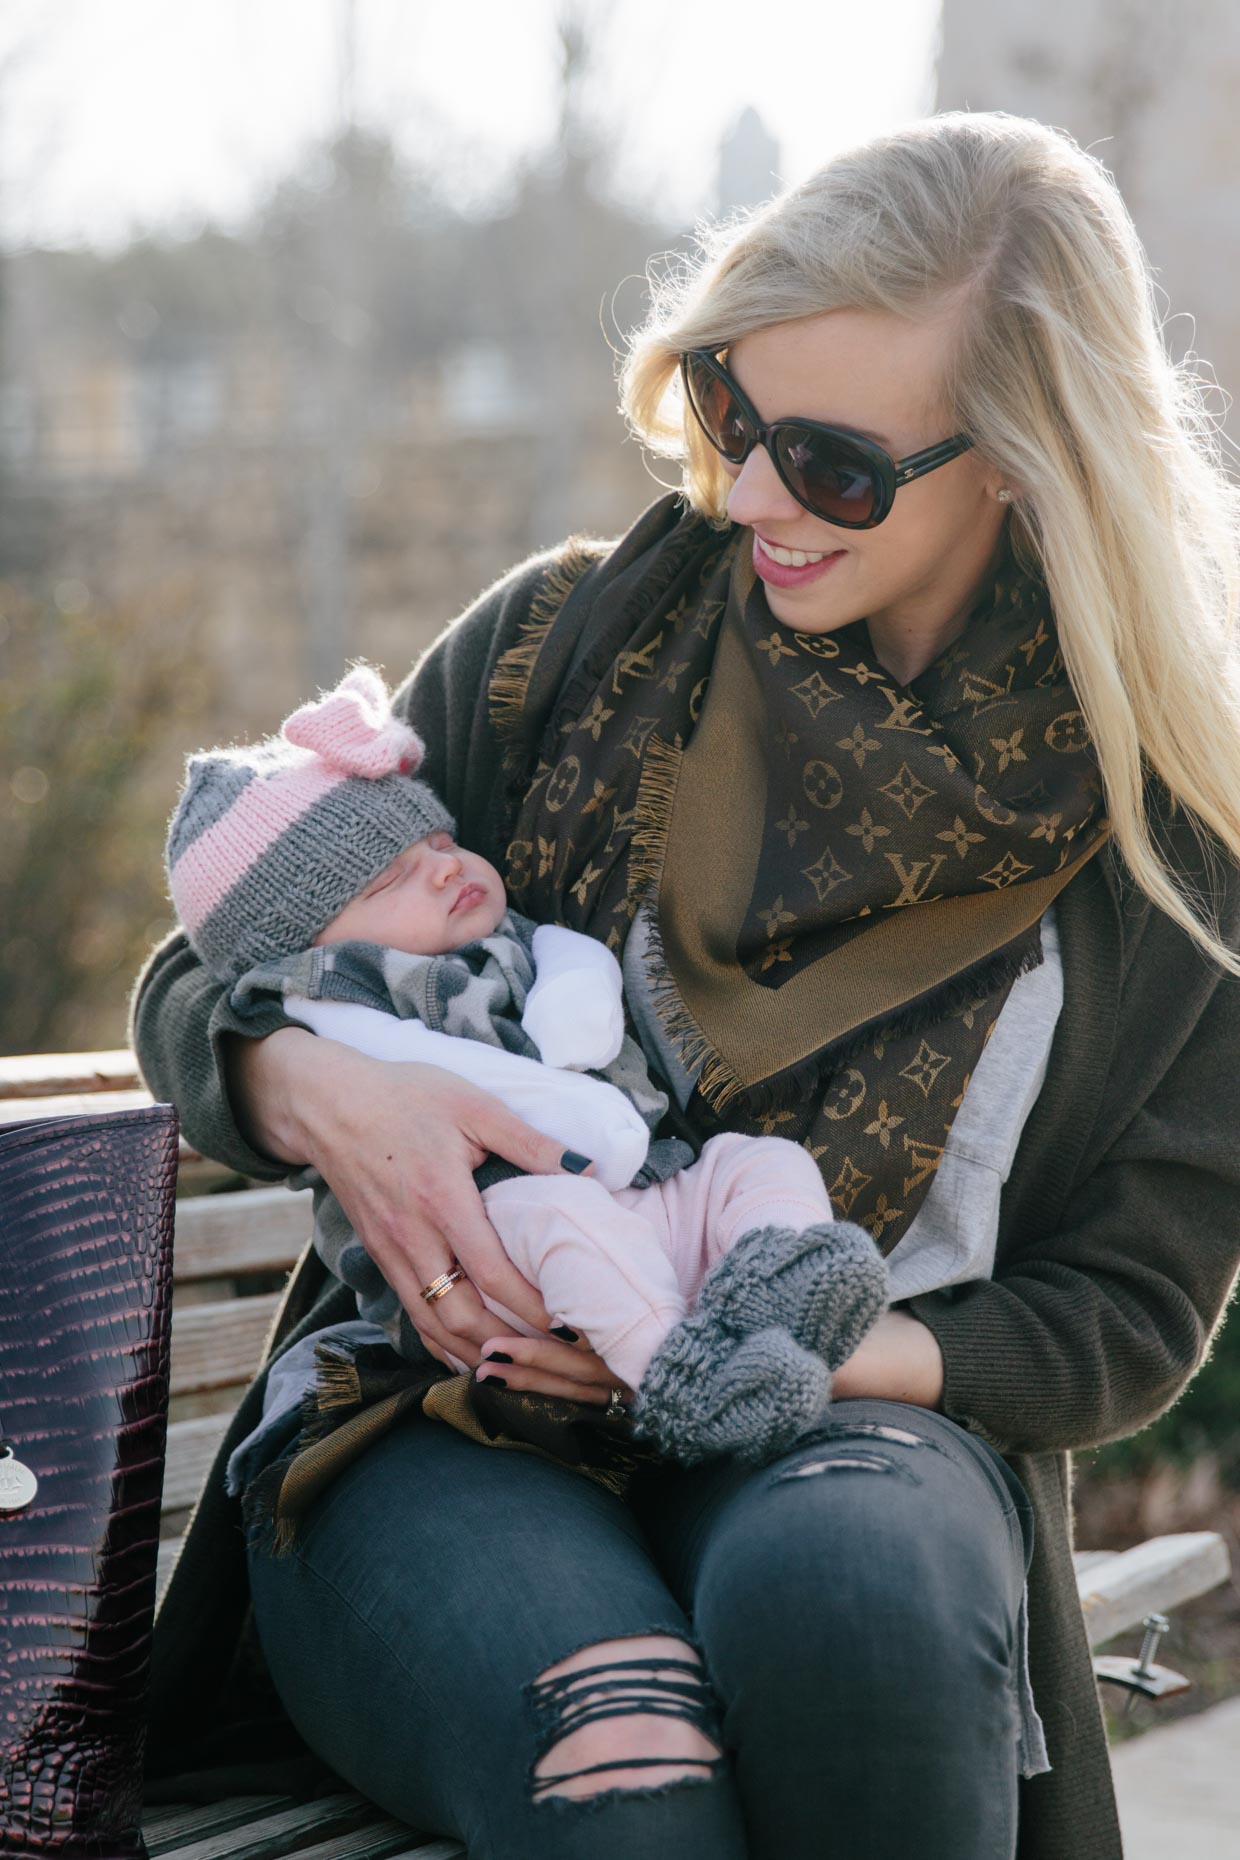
(442, 1284)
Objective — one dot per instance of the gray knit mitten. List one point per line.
(706, 1392)
(826, 1285)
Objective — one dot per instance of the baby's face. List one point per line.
(433, 897)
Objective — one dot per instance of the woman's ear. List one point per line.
(998, 484)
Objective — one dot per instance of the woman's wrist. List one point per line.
(898, 1358)
(259, 1074)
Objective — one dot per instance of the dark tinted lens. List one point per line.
(725, 424)
(828, 473)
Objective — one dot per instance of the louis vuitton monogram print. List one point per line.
(977, 774)
(976, 777)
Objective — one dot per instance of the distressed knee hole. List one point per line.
(845, 1462)
(852, 1455)
(833, 1429)
(636, 1714)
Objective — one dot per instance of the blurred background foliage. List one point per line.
(1201, 1424)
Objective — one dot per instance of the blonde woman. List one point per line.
(898, 759)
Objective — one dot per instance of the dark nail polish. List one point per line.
(572, 1160)
(497, 1356)
(501, 1382)
(562, 1330)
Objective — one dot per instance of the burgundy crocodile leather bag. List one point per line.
(86, 1225)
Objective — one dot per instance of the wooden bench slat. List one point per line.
(192, 1446)
(169, 1829)
(194, 1403)
(214, 1346)
(375, 1840)
(437, 1850)
(169, 1546)
(278, 1833)
(1158, 1574)
(252, 1230)
(72, 1104)
(85, 1104)
(1085, 1559)
(44, 1075)
(172, 1824)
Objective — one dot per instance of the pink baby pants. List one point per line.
(623, 1266)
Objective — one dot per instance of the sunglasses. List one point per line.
(838, 475)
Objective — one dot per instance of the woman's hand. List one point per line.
(552, 1368)
(398, 1144)
(898, 1358)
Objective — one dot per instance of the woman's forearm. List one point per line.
(265, 1081)
(898, 1358)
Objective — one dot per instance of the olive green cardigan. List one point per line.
(1118, 1246)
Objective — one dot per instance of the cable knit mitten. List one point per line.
(826, 1285)
(707, 1393)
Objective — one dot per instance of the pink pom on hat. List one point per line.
(353, 730)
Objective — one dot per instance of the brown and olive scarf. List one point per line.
(844, 875)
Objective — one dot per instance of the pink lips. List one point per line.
(467, 895)
(784, 577)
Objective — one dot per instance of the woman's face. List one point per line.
(433, 897)
(913, 576)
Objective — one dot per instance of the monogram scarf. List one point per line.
(843, 875)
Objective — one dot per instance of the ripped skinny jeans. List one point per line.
(834, 1664)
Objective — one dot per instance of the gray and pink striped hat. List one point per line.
(270, 841)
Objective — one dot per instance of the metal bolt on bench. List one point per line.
(1141, 1674)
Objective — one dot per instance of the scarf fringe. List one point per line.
(717, 1081)
(653, 802)
(265, 1531)
(509, 682)
(673, 559)
(336, 1386)
(652, 809)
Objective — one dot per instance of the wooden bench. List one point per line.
(236, 1244)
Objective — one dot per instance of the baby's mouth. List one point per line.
(467, 895)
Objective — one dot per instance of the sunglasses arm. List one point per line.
(918, 462)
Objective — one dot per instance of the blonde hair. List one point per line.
(1061, 376)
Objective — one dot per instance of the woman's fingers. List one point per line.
(495, 1128)
(546, 1366)
(472, 1323)
(478, 1248)
(411, 1254)
(399, 1150)
(456, 1208)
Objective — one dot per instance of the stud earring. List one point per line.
(1004, 496)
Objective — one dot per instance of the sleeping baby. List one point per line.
(315, 868)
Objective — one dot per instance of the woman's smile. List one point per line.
(790, 574)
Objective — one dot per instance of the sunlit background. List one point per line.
(310, 318)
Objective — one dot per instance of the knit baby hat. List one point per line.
(270, 841)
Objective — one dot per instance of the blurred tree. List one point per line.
(87, 697)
